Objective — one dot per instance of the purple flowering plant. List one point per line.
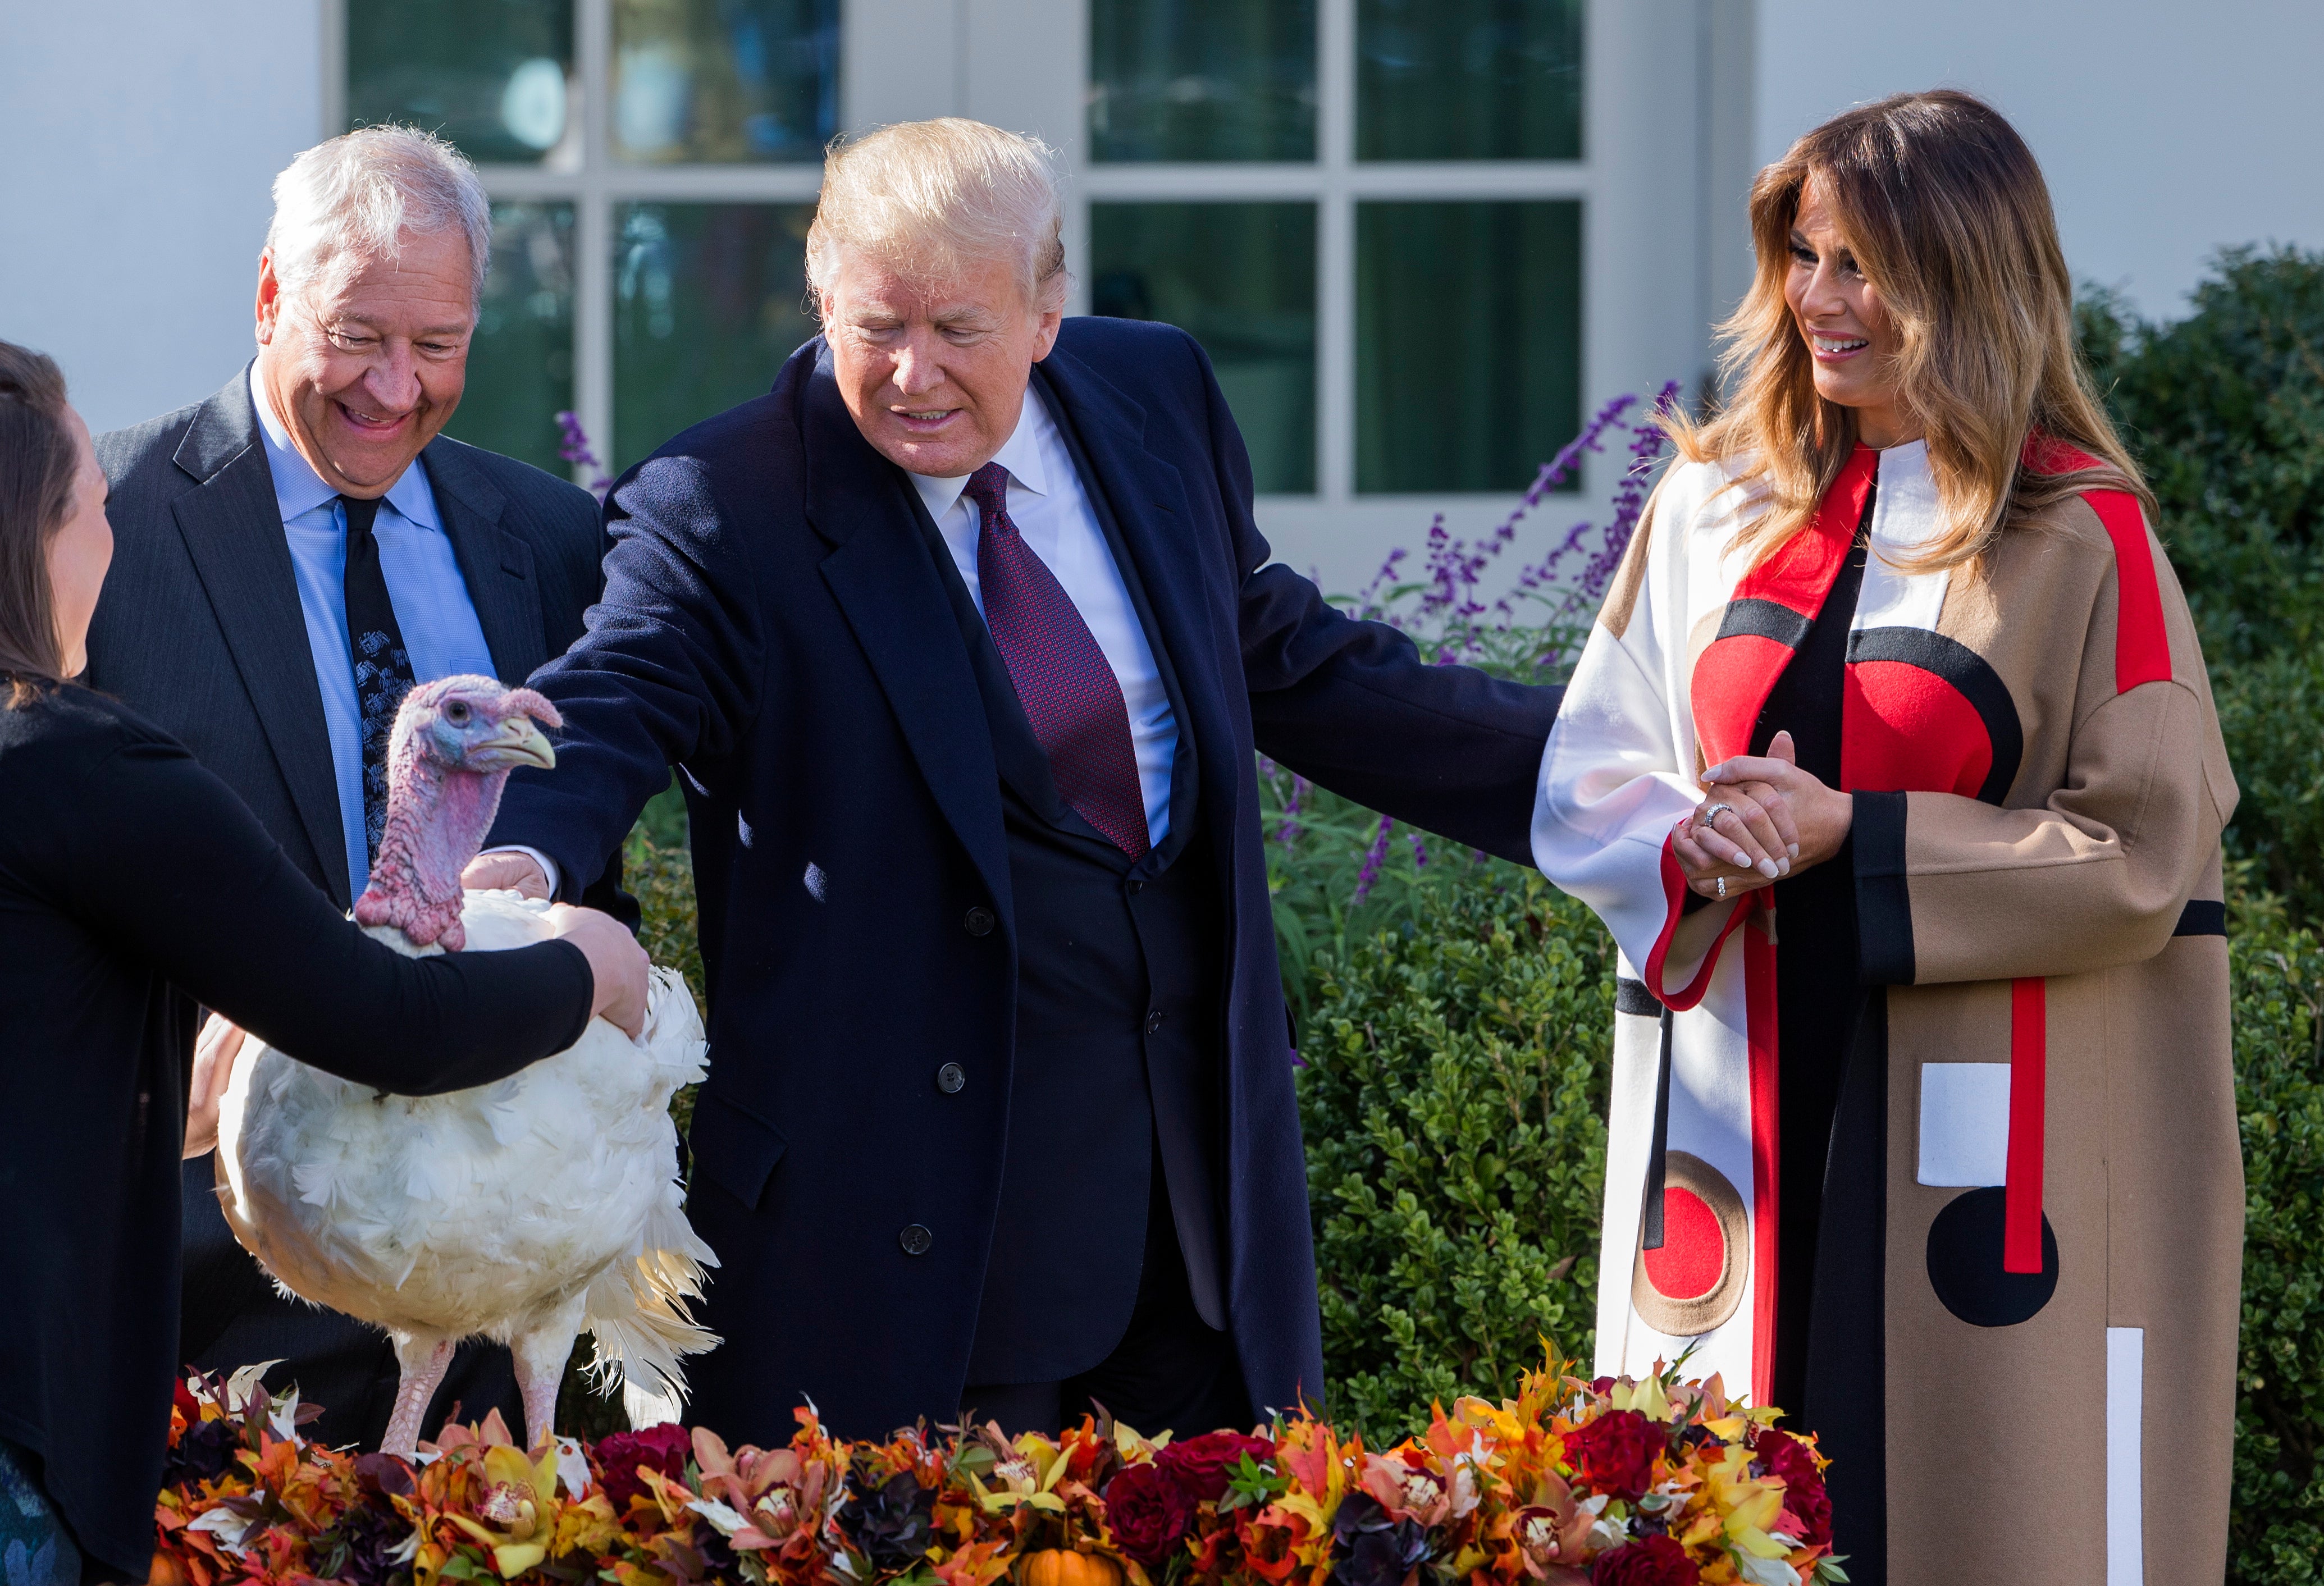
(1502, 603)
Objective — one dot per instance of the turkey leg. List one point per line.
(541, 1351)
(424, 1358)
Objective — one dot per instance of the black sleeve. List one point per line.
(161, 858)
(1353, 706)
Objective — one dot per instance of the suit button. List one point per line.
(950, 1078)
(1154, 1022)
(1136, 887)
(915, 1240)
(977, 921)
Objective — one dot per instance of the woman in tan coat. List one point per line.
(1891, 764)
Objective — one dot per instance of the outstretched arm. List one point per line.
(1352, 705)
(668, 669)
(159, 859)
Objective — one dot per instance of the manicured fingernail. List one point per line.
(1783, 867)
(1768, 868)
(1742, 860)
(1795, 851)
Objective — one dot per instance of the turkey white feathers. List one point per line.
(529, 1211)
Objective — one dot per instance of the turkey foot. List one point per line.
(424, 1361)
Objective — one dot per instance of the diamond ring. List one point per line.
(1722, 885)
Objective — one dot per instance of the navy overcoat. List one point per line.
(774, 623)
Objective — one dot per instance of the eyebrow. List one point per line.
(346, 320)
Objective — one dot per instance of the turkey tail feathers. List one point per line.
(638, 1313)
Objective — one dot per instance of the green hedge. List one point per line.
(1454, 1108)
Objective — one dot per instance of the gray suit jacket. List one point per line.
(200, 629)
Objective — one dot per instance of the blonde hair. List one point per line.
(1947, 214)
(350, 199)
(934, 199)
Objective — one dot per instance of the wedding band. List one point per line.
(1714, 812)
(1722, 884)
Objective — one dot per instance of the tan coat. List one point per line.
(2041, 787)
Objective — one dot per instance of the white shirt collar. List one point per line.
(299, 490)
(1906, 513)
(1020, 453)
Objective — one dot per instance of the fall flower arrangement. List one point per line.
(1655, 1482)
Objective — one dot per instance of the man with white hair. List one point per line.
(964, 639)
(290, 555)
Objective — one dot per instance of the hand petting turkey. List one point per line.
(1761, 818)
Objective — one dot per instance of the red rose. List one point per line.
(1787, 1460)
(1650, 1560)
(666, 1448)
(1202, 1464)
(1615, 1453)
(1149, 1513)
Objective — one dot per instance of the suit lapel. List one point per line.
(881, 573)
(496, 565)
(233, 530)
(1148, 503)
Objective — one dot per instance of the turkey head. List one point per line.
(455, 742)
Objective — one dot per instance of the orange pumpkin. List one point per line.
(165, 1572)
(1058, 1566)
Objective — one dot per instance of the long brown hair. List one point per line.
(1949, 218)
(38, 461)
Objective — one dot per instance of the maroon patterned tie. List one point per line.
(1062, 678)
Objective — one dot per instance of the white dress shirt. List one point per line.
(432, 608)
(1051, 510)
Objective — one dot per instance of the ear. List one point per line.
(269, 307)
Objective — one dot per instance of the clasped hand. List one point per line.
(1761, 818)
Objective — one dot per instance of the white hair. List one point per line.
(351, 201)
(934, 198)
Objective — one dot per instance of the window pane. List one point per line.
(521, 363)
(1469, 79)
(708, 301)
(1467, 343)
(493, 76)
(1201, 79)
(720, 81)
(1241, 278)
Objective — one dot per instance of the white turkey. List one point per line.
(529, 1211)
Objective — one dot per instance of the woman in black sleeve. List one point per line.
(125, 865)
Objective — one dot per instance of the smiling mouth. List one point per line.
(1835, 347)
(370, 421)
(923, 416)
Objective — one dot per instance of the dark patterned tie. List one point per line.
(383, 666)
(1062, 678)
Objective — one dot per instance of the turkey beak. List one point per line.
(519, 740)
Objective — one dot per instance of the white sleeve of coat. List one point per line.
(1615, 780)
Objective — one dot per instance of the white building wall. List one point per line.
(2166, 129)
(138, 140)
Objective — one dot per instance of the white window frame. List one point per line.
(1665, 165)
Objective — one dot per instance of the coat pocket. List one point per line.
(735, 1147)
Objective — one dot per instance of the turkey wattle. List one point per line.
(530, 1211)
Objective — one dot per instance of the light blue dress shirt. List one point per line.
(432, 607)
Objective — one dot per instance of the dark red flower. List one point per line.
(1202, 1465)
(1149, 1513)
(1787, 1459)
(1650, 1560)
(665, 1447)
(1615, 1453)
